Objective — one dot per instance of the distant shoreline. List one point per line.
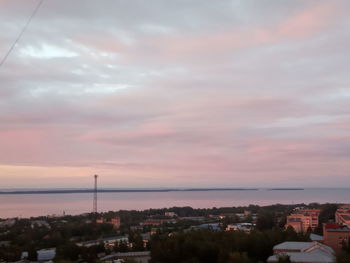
(79, 191)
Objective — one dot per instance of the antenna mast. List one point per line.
(94, 209)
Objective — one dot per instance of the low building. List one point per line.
(193, 218)
(303, 219)
(108, 242)
(245, 227)
(5, 243)
(146, 238)
(40, 223)
(213, 226)
(46, 254)
(303, 252)
(114, 221)
(152, 222)
(170, 214)
(336, 236)
(318, 238)
(136, 256)
(7, 223)
(245, 214)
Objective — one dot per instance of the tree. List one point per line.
(69, 251)
(237, 257)
(32, 254)
(266, 220)
(343, 257)
(284, 259)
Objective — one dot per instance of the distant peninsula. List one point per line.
(285, 189)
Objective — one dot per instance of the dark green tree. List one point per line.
(32, 254)
(283, 259)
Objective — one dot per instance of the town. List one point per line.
(299, 233)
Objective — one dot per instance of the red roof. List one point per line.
(333, 226)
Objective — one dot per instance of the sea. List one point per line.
(39, 204)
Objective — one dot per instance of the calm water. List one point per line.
(46, 204)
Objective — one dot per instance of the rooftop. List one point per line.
(308, 252)
(312, 257)
(315, 237)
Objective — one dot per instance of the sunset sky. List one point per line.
(184, 93)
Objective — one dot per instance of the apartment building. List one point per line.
(342, 215)
(303, 219)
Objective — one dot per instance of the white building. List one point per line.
(245, 227)
(303, 252)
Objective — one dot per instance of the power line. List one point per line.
(2, 62)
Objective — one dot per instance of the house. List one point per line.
(303, 252)
(303, 219)
(336, 236)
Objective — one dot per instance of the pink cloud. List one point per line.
(307, 23)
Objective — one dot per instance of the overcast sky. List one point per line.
(157, 93)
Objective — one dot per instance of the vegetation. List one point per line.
(173, 241)
(219, 246)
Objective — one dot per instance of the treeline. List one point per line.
(207, 246)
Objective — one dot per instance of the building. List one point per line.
(245, 227)
(5, 243)
(108, 242)
(342, 215)
(152, 222)
(303, 219)
(317, 238)
(303, 252)
(336, 236)
(114, 221)
(146, 238)
(40, 223)
(170, 214)
(7, 223)
(212, 226)
(193, 218)
(44, 255)
(136, 256)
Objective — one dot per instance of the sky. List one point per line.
(183, 93)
